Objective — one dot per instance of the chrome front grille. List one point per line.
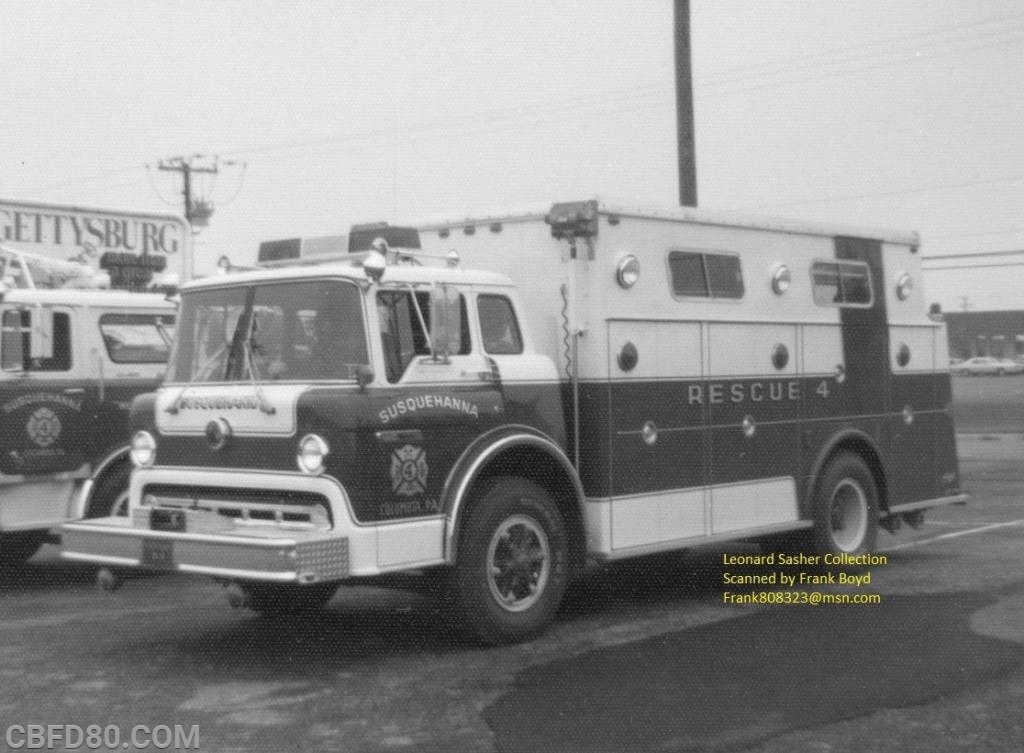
(216, 510)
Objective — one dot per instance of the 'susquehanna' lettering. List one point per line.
(427, 402)
(41, 397)
(219, 402)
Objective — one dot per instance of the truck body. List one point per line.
(74, 352)
(618, 382)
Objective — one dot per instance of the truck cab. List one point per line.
(71, 361)
(85, 325)
(322, 423)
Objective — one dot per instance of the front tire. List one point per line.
(513, 562)
(846, 508)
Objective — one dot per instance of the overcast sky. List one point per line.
(892, 113)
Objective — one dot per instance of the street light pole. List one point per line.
(684, 107)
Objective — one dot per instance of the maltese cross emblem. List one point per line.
(409, 471)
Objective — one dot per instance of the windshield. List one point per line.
(137, 338)
(304, 330)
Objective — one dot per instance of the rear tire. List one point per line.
(513, 562)
(845, 508)
(16, 548)
(284, 599)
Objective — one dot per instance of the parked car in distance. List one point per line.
(987, 365)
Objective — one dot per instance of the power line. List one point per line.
(509, 118)
(976, 266)
(955, 29)
(816, 60)
(602, 98)
(89, 179)
(1008, 231)
(899, 192)
(975, 255)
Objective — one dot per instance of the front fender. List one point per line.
(487, 449)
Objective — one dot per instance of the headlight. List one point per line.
(312, 451)
(143, 453)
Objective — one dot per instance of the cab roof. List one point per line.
(87, 298)
(412, 274)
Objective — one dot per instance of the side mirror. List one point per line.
(445, 322)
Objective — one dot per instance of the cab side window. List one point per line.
(402, 333)
(498, 326)
(17, 343)
(405, 326)
(61, 360)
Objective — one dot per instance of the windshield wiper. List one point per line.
(265, 405)
(165, 335)
(201, 373)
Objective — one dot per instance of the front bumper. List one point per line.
(228, 538)
(269, 556)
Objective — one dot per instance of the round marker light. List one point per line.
(374, 265)
(312, 451)
(628, 272)
(780, 279)
(904, 285)
(143, 452)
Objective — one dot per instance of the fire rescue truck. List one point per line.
(618, 382)
(75, 348)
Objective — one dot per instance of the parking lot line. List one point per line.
(954, 535)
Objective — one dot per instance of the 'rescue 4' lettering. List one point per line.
(718, 393)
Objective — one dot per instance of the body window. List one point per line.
(844, 283)
(498, 325)
(705, 275)
(137, 338)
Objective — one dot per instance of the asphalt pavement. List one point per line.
(645, 656)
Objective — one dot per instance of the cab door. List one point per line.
(46, 407)
(425, 410)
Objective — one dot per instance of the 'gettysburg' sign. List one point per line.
(130, 246)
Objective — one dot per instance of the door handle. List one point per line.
(75, 391)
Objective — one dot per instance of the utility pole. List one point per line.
(196, 212)
(684, 107)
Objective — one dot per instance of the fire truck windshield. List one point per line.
(295, 331)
